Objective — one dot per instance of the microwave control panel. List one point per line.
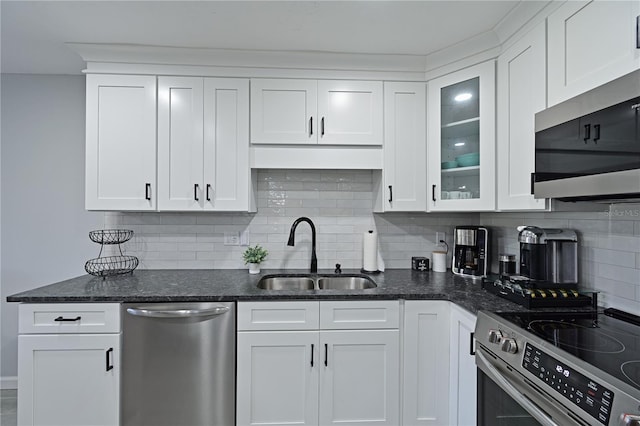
(590, 396)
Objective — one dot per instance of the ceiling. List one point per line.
(34, 33)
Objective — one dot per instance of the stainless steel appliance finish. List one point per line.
(524, 379)
(588, 147)
(178, 364)
(470, 251)
(548, 254)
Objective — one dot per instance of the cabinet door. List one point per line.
(360, 377)
(463, 383)
(426, 363)
(461, 140)
(120, 142)
(350, 112)
(180, 143)
(283, 111)
(405, 149)
(277, 378)
(68, 379)
(521, 93)
(226, 144)
(591, 43)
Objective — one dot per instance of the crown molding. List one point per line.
(167, 55)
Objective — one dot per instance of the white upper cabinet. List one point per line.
(120, 142)
(405, 148)
(350, 112)
(591, 43)
(226, 144)
(328, 112)
(461, 140)
(521, 93)
(203, 144)
(283, 111)
(180, 143)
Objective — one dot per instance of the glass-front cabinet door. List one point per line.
(461, 139)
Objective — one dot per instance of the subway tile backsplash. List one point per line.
(338, 201)
(609, 247)
(340, 204)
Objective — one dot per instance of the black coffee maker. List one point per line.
(470, 251)
(549, 255)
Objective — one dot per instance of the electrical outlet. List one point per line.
(231, 238)
(440, 236)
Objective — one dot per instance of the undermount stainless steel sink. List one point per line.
(312, 282)
(286, 283)
(345, 283)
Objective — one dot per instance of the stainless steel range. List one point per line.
(558, 368)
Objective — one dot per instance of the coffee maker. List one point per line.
(549, 256)
(470, 251)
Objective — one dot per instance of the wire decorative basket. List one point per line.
(111, 265)
(111, 236)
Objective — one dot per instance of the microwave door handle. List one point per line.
(506, 386)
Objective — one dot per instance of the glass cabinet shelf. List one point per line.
(462, 171)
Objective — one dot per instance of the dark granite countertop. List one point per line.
(187, 285)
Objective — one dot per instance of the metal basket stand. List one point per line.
(111, 265)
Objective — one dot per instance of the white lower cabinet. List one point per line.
(319, 377)
(426, 363)
(277, 380)
(67, 377)
(463, 377)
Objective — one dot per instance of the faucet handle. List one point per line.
(338, 270)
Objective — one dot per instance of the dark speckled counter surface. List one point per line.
(187, 285)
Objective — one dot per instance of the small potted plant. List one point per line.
(254, 256)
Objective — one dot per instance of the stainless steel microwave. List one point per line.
(588, 148)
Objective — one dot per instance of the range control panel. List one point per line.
(583, 392)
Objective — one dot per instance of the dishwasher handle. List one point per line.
(178, 313)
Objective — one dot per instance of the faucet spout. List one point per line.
(291, 242)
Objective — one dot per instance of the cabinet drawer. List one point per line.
(359, 314)
(278, 315)
(61, 318)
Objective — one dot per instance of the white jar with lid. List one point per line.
(439, 257)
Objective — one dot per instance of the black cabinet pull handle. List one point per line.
(638, 32)
(390, 193)
(326, 354)
(471, 347)
(208, 192)
(587, 132)
(312, 354)
(596, 130)
(311, 126)
(195, 192)
(147, 191)
(322, 127)
(61, 319)
(433, 193)
(109, 363)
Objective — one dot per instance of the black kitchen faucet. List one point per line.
(292, 233)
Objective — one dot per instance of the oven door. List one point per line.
(506, 398)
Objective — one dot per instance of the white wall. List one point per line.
(43, 221)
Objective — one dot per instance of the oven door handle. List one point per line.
(506, 385)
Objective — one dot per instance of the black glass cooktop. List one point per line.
(608, 343)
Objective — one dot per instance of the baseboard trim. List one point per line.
(9, 382)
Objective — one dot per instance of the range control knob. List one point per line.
(495, 336)
(509, 345)
(630, 420)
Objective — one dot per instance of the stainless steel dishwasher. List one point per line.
(178, 364)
